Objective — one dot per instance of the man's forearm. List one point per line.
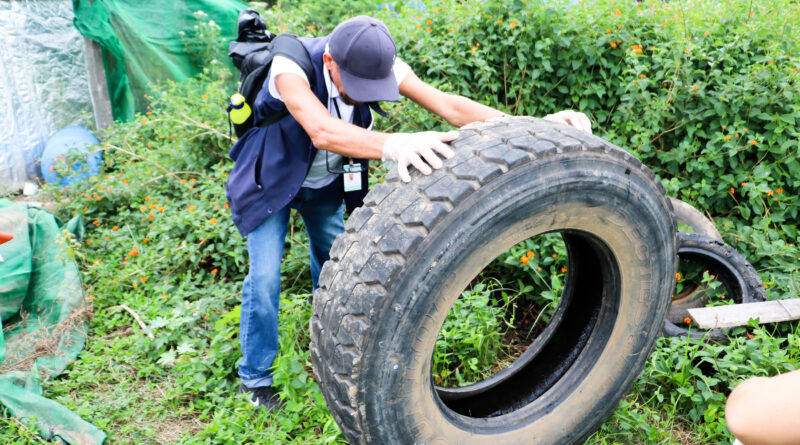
(464, 111)
(346, 139)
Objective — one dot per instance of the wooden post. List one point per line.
(98, 88)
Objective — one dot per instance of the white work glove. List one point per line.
(573, 119)
(412, 148)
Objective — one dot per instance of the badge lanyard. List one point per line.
(351, 171)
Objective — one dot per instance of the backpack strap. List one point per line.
(289, 46)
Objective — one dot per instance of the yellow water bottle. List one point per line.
(238, 109)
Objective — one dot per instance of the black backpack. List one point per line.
(252, 53)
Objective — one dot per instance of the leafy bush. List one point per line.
(706, 94)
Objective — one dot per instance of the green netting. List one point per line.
(43, 317)
(155, 40)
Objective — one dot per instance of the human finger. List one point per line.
(430, 157)
(417, 161)
(402, 172)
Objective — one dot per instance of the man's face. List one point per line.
(333, 68)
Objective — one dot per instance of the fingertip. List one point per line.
(449, 136)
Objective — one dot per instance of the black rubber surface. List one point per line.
(409, 252)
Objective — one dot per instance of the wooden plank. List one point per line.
(98, 88)
(739, 314)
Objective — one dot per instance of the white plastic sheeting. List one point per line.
(44, 84)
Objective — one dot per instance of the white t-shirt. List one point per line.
(318, 176)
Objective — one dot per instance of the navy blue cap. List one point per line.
(365, 51)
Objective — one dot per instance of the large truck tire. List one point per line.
(408, 253)
(739, 278)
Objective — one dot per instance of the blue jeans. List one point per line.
(321, 210)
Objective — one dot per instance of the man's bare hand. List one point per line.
(573, 119)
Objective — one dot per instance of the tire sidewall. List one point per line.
(621, 208)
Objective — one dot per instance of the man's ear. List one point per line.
(327, 59)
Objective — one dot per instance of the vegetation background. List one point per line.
(705, 93)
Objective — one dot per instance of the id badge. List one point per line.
(352, 178)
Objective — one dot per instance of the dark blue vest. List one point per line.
(272, 162)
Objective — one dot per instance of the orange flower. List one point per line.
(151, 206)
(563, 270)
(608, 31)
(687, 320)
(751, 336)
(133, 253)
(530, 254)
(147, 198)
(126, 181)
(428, 22)
(727, 138)
(677, 275)
(150, 216)
(769, 192)
(779, 190)
(144, 279)
(524, 260)
(555, 255)
(753, 142)
(733, 190)
(695, 87)
(214, 271)
(115, 228)
(613, 44)
(190, 207)
(212, 221)
(744, 184)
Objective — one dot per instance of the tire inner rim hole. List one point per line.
(702, 281)
(544, 296)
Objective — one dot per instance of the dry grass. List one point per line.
(40, 342)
